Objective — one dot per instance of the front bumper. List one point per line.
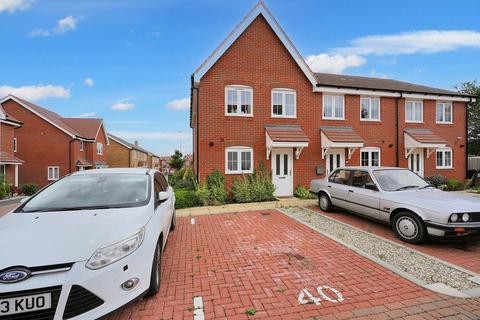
(101, 288)
(453, 230)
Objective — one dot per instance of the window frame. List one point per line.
(284, 92)
(443, 151)
(370, 109)
(238, 89)
(444, 103)
(101, 149)
(323, 107)
(370, 150)
(421, 113)
(15, 144)
(53, 168)
(82, 146)
(239, 150)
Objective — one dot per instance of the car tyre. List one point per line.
(156, 273)
(173, 224)
(409, 227)
(324, 202)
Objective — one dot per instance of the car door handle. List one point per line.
(329, 186)
(350, 191)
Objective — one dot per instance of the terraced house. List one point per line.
(123, 154)
(254, 99)
(9, 163)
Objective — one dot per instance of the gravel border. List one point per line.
(416, 267)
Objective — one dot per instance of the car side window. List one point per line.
(163, 181)
(341, 177)
(361, 179)
(157, 186)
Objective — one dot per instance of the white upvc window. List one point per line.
(238, 101)
(444, 158)
(238, 160)
(369, 109)
(333, 107)
(444, 112)
(53, 173)
(414, 111)
(370, 157)
(99, 148)
(81, 145)
(14, 144)
(284, 103)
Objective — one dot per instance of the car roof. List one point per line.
(372, 168)
(115, 170)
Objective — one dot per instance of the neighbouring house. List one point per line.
(188, 161)
(254, 99)
(123, 154)
(165, 165)
(9, 163)
(52, 146)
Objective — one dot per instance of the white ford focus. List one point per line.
(85, 245)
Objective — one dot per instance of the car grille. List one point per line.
(37, 315)
(80, 300)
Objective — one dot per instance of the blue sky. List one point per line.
(129, 62)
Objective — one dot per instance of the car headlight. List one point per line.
(113, 252)
(454, 217)
(465, 217)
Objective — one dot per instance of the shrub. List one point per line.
(8, 189)
(303, 193)
(185, 199)
(471, 173)
(454, 185)
(215, 179)
(183, 179)
(436, 180)
(176, 176)
(218, 195)
(3, 194)
(254, 188)
(241, 190)
(29, 189)
(203, 194)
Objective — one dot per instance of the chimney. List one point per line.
(136, 142)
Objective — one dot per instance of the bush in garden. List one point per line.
(436, 180)
(29, 189)
(185, 198)
(471, 173)
(241, 190)
(216, 186)
(176, 176)
(3, 194)
(254, 188)
(203, 194)
(303, 193)
(455, 185)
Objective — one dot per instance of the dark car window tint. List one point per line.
(341, 177)
(361, 178)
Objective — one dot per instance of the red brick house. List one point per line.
(9, 163)
(52, 146)
(123, 154)
(254, 99)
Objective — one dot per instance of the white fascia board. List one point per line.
(435, 97)
(260, 8)
(123, 144)
(360, 92)
(10, 123)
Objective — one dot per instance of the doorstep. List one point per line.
(240, 207)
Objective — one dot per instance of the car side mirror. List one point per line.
(371, 186)
(162, 196)
(24, 199)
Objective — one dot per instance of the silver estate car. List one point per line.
(399, 197)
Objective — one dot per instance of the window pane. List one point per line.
(289, 104)
(375, 109)
(246, 100)
(246, 161)
(328, 106)
(418, 111)
(342, 177)
(338, 107)
(364, 104)
(364, 158)
(448, 158)
(232, 161)
(232, 101)
(439, 158)
(418, 162)
(277, 103)
(360, 179)
(277, 165)
(448, 113)
(330, 160)
(285, 164)
(338, 160)
(409, 110)
(375, 158)
(440, 112)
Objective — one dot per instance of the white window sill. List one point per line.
(371, 120)
(444, 168)
(239, 172)
(411, 121)
(287, 117)
(325, 118)
(238, 115)
(440, 122)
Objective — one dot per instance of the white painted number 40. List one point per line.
(305, 297)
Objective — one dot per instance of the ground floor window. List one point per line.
(238, 160)
(370, 157)
(53, 173)
(444, 158)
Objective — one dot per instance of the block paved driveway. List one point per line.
(261, 260)
(465, 255)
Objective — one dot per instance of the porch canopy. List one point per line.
(422, 138)
(6, 158)
(340, 138)
(286, 136)
(6, 161)
(84, 163)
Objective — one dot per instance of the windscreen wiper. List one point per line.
(406, 187)
(67, 209)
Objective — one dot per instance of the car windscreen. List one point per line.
(92, 191)
(397, 180)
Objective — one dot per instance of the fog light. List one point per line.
(454, 217)
(465, 217)
(130, 284)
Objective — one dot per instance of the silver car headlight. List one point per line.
(465, 217)
(115, 251)
(454, 217)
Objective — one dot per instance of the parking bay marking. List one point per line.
(198, 309)
(192, 220)
(305, 297)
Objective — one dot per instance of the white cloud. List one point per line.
(334, 63)
(14, 5)
(180, 104)
(86, 115)
(88, 82)
(123, 104)
(35, 92)
(64, 25)
(426, 41)
(156, 135)
(374, 73)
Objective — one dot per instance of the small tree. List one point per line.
(177, 161)
(473, 88)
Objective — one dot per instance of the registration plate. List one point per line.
(23, 304)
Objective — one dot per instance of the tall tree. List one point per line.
(473, 88)
(177, 160)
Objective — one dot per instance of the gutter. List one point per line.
(196, 151)
(397, 138)
(466, 136)
(70, 156)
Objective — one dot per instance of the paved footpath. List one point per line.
(465, 255)
(264, 265)
(7, 208)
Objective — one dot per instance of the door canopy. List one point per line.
(422, 138)
(286, 136)
(340, 138)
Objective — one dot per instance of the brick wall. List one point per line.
(118, 156)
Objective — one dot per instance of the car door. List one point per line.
(363, 195)
(162, 208)
(338, 186)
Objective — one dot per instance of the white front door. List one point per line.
(415, 162)
(282, 172)
(335, 159)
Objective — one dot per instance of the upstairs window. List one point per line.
(444, 158)
(99, 148)
(238, 101)
(444, 112)
(284, 103)
(14, 144)
(333, 107)
(238, 160)
(81, 145)
(370, 109)
(414, 111)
